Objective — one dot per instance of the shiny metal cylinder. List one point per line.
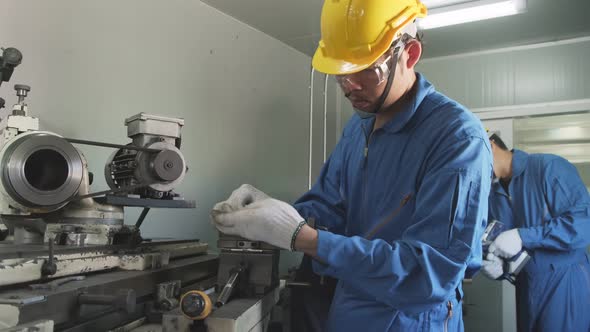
(41, 171)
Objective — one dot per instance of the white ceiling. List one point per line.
(297, 23)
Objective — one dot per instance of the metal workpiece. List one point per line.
(40, 171)
(229, 286)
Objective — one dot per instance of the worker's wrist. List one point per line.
(307, 241)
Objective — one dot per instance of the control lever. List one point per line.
(229, 286)
(49, 267)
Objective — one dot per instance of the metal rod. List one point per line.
(144, 213)
(228, 288)
(110, 145)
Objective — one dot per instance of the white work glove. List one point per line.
(507, 244)
(239, 198)
(267, 220)
(492, 267)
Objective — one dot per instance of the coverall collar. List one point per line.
(412, 101)
(519, 162)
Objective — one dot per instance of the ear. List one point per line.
(414, 49)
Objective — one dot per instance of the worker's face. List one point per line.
(496, 152)
(364, 88)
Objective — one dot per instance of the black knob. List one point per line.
(11, 56)
(22, 87)
(2, 103)
(195, 305)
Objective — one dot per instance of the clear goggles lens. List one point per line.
(372, 76)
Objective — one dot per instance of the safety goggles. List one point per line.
(373, 76)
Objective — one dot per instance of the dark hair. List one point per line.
(499, 142)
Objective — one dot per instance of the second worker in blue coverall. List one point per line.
(544, 203)
(403, 196)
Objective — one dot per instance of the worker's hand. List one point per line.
(267, 220)
(492, 267)
(507, 244)
(239, 198)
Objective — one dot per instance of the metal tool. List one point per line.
(512, 266)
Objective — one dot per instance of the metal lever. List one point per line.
(49, 267)
(229, 287)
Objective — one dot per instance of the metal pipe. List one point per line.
(310, 127)
(325, 116)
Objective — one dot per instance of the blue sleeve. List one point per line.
(430, 260)
(324, 202)
(567, 199)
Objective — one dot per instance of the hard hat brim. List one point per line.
(331, 66)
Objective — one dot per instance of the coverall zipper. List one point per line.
(449, 315)
(364, 175)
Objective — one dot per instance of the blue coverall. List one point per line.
(549, 205)
(425, 177)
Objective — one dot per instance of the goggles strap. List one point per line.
(390, 77)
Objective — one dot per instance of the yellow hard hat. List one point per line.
(355, 33)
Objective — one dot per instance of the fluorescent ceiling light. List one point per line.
(471, 12)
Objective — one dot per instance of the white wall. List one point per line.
(243, 94)
(531, 74)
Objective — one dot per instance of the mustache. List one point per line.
(355, 97)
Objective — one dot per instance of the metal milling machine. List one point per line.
(69, 263)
